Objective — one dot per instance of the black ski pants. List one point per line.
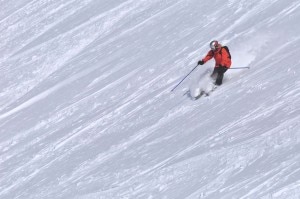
(218, 74)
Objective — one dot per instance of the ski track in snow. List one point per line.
(86, 109)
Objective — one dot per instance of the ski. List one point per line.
(201, 94)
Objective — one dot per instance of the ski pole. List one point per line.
(184, 78)
(247, 67)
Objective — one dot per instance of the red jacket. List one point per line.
(221, 57)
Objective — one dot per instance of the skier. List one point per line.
(222, 57)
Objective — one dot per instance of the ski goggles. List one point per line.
(213, 47)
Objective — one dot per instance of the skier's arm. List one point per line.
(209, 55)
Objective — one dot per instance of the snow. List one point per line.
(86, 109)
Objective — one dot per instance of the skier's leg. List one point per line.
(214, 73)
(221, 71)
(219, 79)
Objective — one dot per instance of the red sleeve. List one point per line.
(209, 55)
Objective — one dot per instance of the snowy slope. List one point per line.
(86, 109)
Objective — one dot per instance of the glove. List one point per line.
(201, 62)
